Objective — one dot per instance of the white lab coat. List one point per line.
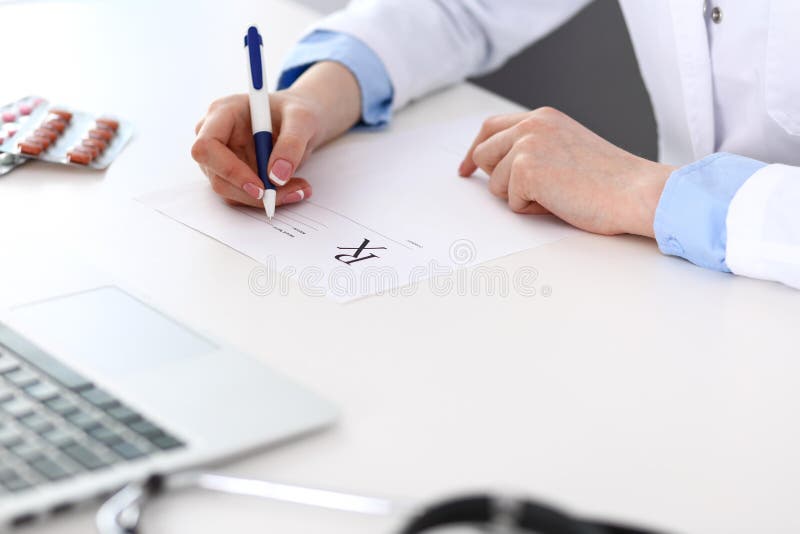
(730, 86)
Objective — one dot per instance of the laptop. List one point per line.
(98, 388)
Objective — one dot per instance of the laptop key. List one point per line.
(42, 391)
(17, 484)
(82, 420)
(50, 469)
(36, 422)
(128, 450)
(22, 377)
(5, 393)
(123, 414)
(7, 364)
(17, 407)
(58, 437)
(145, 428)
(10, 436)
(84, 456)
(6, 473)
(27, 451)
(62, 406)
(166, 442)
(98, 397)
(105, 435)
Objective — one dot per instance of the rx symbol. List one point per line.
(356, 256)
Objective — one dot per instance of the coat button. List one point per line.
(716, 15)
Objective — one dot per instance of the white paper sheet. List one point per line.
(388, 209)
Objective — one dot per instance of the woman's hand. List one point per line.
(322, 104)
(543, 161)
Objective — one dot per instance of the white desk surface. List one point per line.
(643, 388)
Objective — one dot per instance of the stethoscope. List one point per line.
(121, 513)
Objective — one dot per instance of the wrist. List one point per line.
(650, 179)
(335, 95)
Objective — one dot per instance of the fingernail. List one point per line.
(281, 172)
(253, 190)
(295, 196)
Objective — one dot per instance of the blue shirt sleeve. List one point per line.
(691, 214)
(377, 92)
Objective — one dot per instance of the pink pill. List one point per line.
(9, 116)
(25, 109)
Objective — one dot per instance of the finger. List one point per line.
(490, 126)
(500, 177)
(220, 161)
(517, 203)
(489, 153)
(199, 125)
(296, 128)
(295, 190)
(211, 150)
(519, 200)
(235, 194)
(533, 208)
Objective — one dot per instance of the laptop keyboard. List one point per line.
(55, 424)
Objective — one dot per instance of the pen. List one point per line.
(260, 114)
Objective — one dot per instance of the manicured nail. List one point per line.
(294, 196)
(281, 172)
(253, 190)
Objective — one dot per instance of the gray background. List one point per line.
(586, 68)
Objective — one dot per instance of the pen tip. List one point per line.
(269, 203)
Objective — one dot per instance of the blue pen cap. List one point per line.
(253, 42)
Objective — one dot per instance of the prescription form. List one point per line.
(388, 210)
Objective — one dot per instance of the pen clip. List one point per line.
(253, 42)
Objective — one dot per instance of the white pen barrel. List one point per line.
(259, 99)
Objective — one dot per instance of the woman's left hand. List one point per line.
(544, 161)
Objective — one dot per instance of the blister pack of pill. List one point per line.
(60, 134)
(13, 117)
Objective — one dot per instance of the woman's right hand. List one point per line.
(321, 105)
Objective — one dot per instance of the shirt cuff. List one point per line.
(690, 217)
(376, 88)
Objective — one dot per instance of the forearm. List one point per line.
(335, 90)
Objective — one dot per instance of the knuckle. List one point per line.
(548, 117)
(291, 143)
(548, 112)
(218, 186)
(527, 142)
(522, 164)
(301, 114)
(227, 170)
(522, 170)
(200, 149)
(531, 124)
(497, 187)
(491, 123)
(478, 153)
(217, 103)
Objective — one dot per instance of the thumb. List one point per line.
(290, 147)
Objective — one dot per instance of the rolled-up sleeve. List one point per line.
(691, 215)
